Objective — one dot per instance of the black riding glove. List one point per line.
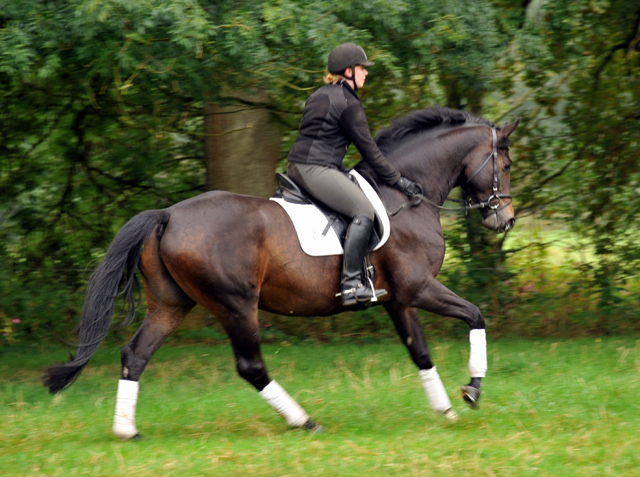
(410, 189)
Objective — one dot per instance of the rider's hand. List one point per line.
(409, 188)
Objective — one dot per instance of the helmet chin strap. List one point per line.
(352, 78)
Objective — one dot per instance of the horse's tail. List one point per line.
(118, 268)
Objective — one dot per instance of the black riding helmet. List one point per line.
(347, 55)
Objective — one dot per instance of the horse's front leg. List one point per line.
(408, 326)
(437, 298)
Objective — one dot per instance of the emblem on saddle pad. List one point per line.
(320, 230)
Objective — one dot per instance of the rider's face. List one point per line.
(360, 75)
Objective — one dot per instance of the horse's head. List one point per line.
(487, 179)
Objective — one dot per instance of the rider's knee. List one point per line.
(366, 210)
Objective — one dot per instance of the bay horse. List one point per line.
(235, 254)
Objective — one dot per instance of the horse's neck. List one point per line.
(442, 177)
(439, 169)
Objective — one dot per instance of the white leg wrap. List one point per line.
(478, 353)
(438, 397)
(280, 400)
(124, 420)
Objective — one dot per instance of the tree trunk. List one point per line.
(242, 144)
(242, 150)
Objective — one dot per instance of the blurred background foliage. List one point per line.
(111, 107)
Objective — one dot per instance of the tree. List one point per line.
(582, 69)
(111, 107)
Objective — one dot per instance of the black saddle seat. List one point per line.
(290, 191)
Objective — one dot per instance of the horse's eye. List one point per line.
(507, 167)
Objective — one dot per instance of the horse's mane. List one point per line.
(423, 120)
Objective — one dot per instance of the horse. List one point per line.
(235, 254)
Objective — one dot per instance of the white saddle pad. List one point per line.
(310, 223)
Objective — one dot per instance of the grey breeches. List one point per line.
(331, 187)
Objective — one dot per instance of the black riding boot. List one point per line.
(355, 288)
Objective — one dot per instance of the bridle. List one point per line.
(492, 202)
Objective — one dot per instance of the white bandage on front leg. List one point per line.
(124, 420)
(288, 408)
(478, 353)
(438, 397)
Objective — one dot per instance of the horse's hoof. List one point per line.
(313, 427)
(136, 437)
(451, 415)
(471, 396)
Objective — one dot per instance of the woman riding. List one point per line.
(333, 118)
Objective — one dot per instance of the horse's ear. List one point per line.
(507, 129)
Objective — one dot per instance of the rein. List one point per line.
(493, 202)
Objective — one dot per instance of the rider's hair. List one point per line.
(331, 78)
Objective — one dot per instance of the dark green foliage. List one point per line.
(101, 117)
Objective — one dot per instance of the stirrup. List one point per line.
(365, 295)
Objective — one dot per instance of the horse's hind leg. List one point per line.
(167, 305)
(156, 328)
(244, 332)
(410, 331)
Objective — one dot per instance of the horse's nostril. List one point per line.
(511, 223)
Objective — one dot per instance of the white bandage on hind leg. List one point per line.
(124, 420)
(478, 353)
(438, 397)
(280, 400)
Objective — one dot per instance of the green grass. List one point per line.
(549, 408)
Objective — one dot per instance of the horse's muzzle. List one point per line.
(500, 221)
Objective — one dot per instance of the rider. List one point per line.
(332, 119)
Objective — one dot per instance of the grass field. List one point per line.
(549, 408)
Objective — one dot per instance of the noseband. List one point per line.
(493, 202)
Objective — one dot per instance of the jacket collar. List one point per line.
(346, 86)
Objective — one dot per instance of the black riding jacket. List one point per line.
(333, 118)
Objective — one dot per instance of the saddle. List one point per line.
(328, 222)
